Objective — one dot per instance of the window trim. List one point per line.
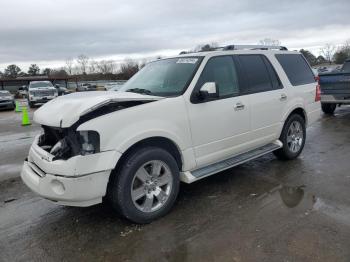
(280, 84)
(194, 99)
(265, 60)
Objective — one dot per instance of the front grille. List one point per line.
(5, 101)
(43, 93)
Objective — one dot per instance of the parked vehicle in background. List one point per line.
(114, 86)
(62, 90)
(335, 88)
(7, 100)
(178, 119)
(86, 87)
(40, 92)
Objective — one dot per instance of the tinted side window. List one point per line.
(296, 68)
(222, 71)
(257, 74)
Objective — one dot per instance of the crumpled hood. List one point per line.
(64, 111)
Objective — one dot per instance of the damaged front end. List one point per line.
(64, 143)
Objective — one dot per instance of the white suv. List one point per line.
(178, 119)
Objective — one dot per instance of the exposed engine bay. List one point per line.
(64, 143)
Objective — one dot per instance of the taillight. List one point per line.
(318, 93)
(318, 89)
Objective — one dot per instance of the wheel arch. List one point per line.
(298, 111)
(156, 141)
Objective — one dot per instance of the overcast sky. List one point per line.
(47, 32)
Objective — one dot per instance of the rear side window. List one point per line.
(296, 68)
(257, 74)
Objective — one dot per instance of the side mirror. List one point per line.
(208, 90)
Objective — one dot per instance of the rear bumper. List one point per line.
(78, 181)
(330, 99)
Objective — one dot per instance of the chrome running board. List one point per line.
(195, 175)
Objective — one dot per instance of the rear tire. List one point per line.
(31, 104)
(293, 138)
(146, 186)
(328, 109)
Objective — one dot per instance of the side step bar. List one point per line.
(195, 175)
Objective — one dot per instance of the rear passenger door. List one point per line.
(267, 97)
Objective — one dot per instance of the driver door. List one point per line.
(220, 126)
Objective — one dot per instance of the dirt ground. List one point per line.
(265, 210)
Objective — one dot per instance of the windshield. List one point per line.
(40, 85)
(168, 77)
(5, 93)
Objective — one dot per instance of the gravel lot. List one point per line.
(265, 210)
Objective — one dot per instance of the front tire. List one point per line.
(328, 109)
(31, 104)
(293, 138)
(146, 185)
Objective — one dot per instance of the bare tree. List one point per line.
(69, 65)
(106, 66)
(83, 61)
(93, 66)
(327, 52)
(346, 48)
(270, 42)
(128, 68)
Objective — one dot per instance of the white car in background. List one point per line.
(40, 92)
(178, 119)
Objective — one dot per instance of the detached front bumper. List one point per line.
(78, 181)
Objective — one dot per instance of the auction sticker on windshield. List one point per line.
(187, 61)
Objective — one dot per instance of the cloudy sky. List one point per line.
(47, 32)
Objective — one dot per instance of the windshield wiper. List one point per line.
(140, 91)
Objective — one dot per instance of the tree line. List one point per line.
(329, 54)
(82, 68)
(85, 68)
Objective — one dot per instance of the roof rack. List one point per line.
(241, 47)
(251, 47)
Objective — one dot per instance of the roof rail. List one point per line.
(241, 47)
(251, 47)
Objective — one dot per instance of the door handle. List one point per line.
(283, 97)
(239, 106)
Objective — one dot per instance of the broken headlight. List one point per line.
(90, 142)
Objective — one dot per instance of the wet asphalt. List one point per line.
(264, 210)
